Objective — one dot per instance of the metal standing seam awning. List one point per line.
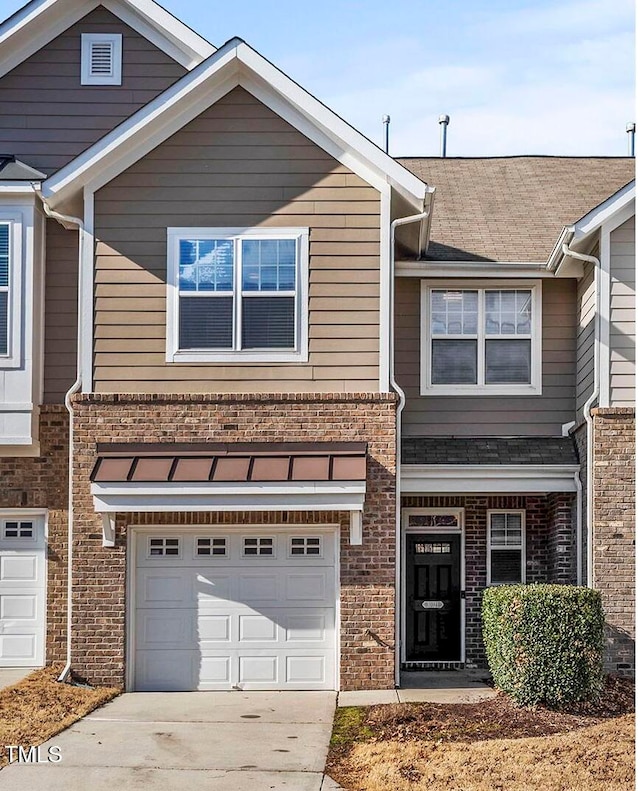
(258, 476)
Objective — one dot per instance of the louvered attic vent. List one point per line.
(101, 59)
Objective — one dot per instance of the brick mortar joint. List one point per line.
(117, 399)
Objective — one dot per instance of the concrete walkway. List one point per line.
(190, 741)
(425, 687)
(11, 675)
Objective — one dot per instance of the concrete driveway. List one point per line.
(187, 741)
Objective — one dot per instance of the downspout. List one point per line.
(423, 216)
(75, 387)
(586, 410)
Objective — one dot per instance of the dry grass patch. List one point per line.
(492, 745)
(38, 707)
(599, 758)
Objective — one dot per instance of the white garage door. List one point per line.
(235, 610)
(22, 591)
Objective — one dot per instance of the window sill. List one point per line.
(238, 357)
(485, 390)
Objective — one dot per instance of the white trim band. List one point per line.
(487, 478)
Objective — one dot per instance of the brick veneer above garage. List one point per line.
(366, 572)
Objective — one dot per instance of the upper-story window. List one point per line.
(237, 295)
(481, 340)
(101, 59)
(11, 271)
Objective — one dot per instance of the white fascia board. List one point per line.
(401, 179)
(152, 124)
(234, 64)
(291, 496)
(487, 478)
(40, 21)
(163, 29)
(605, 211)
(495, 269)
(13, 188)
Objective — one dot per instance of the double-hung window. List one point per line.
(237, 295)
(481, 340)
(11, 296)
(506, 556)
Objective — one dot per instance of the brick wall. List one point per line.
(562, 538)
(614, 530)
(42, 483)
(367, 571)
(541, 551)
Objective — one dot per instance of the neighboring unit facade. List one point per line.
(217, 444)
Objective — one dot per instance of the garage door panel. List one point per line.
(256, 622)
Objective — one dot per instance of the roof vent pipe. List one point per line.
(443, 120)
(386, 121)
(631, 136)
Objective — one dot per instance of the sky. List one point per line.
(515, 76)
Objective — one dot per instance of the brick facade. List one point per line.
(614, 530)
(547, 538)
(42, 482)
(367, 571)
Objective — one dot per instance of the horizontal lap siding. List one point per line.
(622, 331)
(47, 118)
(60, 312)
(238, 164)
(585, 336)
(491, 415)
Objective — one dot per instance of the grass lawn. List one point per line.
(38, 707)
(487, 746)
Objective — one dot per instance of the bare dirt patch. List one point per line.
(487, 746)
(38, 707)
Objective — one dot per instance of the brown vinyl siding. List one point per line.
(237, 165)
(47, 118)
(60, 312)
(622, 335)
(585, 336)
(491, 415)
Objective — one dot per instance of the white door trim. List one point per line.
(406, 512)
(130, 587)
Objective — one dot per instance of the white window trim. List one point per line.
(305, 546)
(224, 554)
(534, 388)
(86, 77)
(522, 546)
(15, 221)
(164, 554)
(274, 546)
(300, 354)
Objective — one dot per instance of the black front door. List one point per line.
(433, 597)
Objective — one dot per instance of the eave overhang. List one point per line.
(234, 64)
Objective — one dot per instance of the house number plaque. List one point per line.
(432, 605)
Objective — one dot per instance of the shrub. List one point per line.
(544, 643)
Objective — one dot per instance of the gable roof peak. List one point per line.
(40, 21)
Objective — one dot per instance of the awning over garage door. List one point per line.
(319, 476)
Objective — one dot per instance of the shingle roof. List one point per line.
(12, 169)
(488, 450)
(512, 208)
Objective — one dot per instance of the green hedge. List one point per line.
(544, 643)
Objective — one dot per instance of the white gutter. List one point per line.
(586, 410)
(75, 387)
(422, 217)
